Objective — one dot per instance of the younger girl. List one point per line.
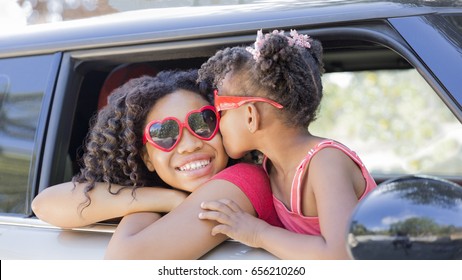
(267, 97)
(156, 126)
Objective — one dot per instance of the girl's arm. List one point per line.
(331, 179)
(63, 205)
(254, 232)
(135, 222)
(179, 234)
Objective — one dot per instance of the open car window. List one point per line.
(374, 102)
(394, 120)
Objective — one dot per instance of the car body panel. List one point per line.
(54, 243)
(46, 242)
(196, 22)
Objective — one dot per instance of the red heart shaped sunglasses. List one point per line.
(165, 134)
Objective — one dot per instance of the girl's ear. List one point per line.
(252, 118)
(147, 160)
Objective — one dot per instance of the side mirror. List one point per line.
(412, 217)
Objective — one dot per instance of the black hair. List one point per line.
(287, 73)
(113, 151)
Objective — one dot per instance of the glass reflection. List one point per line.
(414, 217)
(23, 82)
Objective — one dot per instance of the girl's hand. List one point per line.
(233, 222)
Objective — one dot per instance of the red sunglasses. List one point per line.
(223, 103)
(165, 134)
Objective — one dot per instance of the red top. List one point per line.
(254, 182)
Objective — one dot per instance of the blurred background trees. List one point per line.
(42, 11)
(393, 120)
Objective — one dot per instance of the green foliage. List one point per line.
(393, 119)
(420, 227)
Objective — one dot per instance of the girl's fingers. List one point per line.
(215, 216)
(231, 204)
(222, 211)
(216, 205)
(221, 229)
(223, 205)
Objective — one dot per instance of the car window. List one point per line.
(22, 85)
(394, 120)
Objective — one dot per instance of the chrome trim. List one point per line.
(36, 223)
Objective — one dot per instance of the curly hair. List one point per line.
(286, 73)
(113, 151)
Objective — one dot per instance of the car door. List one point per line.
(26, 94)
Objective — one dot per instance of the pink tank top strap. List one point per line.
(295, 195)
(296, 182)
(295, 198)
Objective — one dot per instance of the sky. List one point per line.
(11, 16)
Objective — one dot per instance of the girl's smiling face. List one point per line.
(193, 161)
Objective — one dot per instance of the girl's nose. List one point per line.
(189, 142)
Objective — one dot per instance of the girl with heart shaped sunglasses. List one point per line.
(143, 163)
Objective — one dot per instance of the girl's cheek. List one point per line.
(222, 157)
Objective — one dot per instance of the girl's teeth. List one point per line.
(194, 165)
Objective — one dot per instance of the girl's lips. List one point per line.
(197, 169)
(194, 165)
(197, 165)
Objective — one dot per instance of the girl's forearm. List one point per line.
(179, 234)
(289, 245)
(64, 206)
(153, 199)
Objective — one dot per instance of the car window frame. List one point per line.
(40, 131)
(380, 32)
(430, 68)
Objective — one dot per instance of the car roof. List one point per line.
(171, 24)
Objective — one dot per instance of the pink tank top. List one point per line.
(293, 219)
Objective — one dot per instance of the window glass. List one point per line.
(455, 24)
(394, 120)
(22, 85)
